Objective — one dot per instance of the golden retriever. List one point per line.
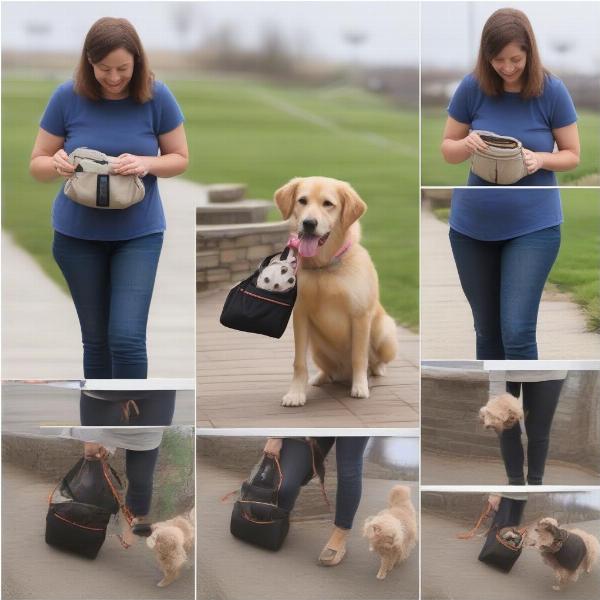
(393, 532)
(337, 311)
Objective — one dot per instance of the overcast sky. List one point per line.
(317, 29)
(449, 40)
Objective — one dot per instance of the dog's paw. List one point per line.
(163, 582)
(378, 370)
(381, 574)
(320, 378)
(360, 390)
(294, 399)
(556, 588)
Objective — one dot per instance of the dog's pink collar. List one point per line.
(294, 242)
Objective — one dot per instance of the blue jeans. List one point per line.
(296, 466)
(111, 284)
(503, 282)
(139, 467)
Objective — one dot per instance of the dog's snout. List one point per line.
(309, 225)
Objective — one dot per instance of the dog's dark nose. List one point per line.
(309, 225)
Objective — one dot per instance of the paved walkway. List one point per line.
(243, 376)
(447, 470)
(446, 320)
(450, 569)
(32, 569)
(40, 330)
(292, 572)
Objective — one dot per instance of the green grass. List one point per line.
(435, 171)
(263, 135)
(576, 270)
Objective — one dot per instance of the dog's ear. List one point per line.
(285, 197)
(353, 206)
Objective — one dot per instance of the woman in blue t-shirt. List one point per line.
(505, 240)
(109, 257)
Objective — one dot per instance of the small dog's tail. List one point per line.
(400, 494)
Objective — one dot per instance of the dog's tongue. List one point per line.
(308, 246)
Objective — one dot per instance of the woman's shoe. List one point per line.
(335, 548)
(330, 557)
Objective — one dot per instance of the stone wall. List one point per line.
(226, 254)
(451, 399)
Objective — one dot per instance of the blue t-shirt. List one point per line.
(113, 127)
(515, 212)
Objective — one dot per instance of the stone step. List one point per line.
(226, 192)
(246, 211)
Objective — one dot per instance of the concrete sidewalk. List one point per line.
(41, 336)
(229, 569)
(446, 319)
(32, 569)
(437, 469)
(243, 376)
(450, 569)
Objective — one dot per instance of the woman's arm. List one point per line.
(567, 157)
(273, 447)
(48, 159)
(173, 159)
(458, 144)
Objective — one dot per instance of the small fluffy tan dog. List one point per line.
(568, 551)
(392, 533)
(501, 412)
(172, 541)
(337, 311)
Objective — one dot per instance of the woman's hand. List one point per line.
(494, 501)
(61, 163)
(533, 161)
(473, 143)
(130, 164)
(92, 451)
(273, 447)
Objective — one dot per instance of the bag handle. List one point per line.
(107, 471)
(485, 513)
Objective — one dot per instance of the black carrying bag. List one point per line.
(498, 552)
(252, 309)
(80, 508)
(256, 518)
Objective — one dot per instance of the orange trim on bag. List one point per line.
(77, 524)
(265, 299)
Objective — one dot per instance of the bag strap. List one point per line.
(485, 513)
(126, 512)
(314, 448)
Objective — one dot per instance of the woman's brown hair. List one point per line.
(108, 34)
(503, 27)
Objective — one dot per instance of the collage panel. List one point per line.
(506, 87)
(360, 492)
(485, 426)
(97, 403)
(78, 277)
(497, 295)
(510, 544)
(98, 512)
(333, 157)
